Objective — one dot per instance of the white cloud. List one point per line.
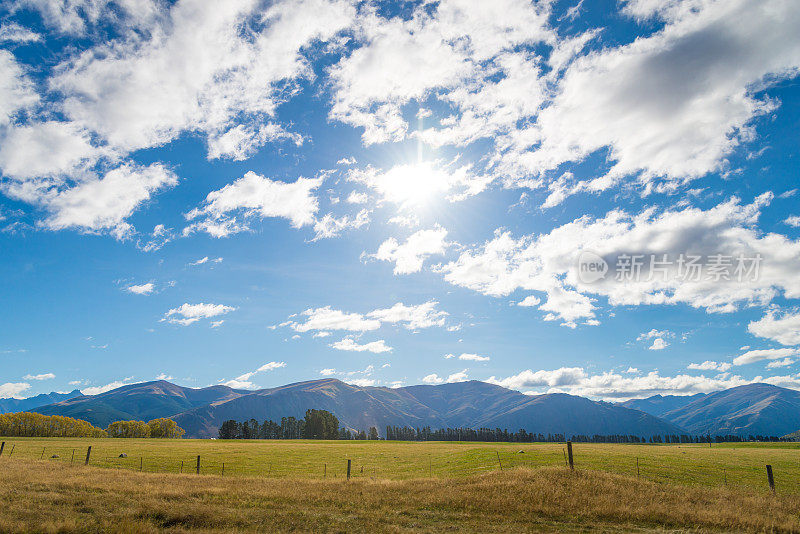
(16, 90)
(186, 313)
(13, 390)
(165, 376)
(97, 390)
(437, 48)
(361, 382)
(104, 204)
(752, 356)
(616, 387)
(460, 376)
(329, 226)
(217, 324)
(244, 381)
(409, 256)
(328, 372)
(548, 262)
(141, 289)
(227, 210)
(204, 260)
(14, 33)
(421, 316)
(350, 344)
(356, 197)
(324, 319)
(530, 301)
(468, 357)
(658, 344)
(786, 362)
(672, 105)
(432, 379)
(793, 220)
(710, 365)
(781, 327)
(43, 376)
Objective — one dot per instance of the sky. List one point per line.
(597, 198)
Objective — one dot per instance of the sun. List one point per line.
(413, 184)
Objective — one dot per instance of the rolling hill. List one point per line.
(754, 409)
(466, 404)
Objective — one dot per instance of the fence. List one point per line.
(401, 460)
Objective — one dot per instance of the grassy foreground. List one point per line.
(739, 465)
(50, 497)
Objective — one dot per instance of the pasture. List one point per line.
(734, 465)
(40, 496)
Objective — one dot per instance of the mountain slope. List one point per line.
(143, 401)
(466, 404)
(658, 405)
(754, 409)
(24, 405)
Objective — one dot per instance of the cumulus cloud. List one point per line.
(616, 387)
(228, 210)
(548, 263)
(13, 390)
(433, 378)
(409, 256)
(327, 318)
(141, 289)
(349, 344)
(330, 226)
(781, 327)
(186, 313)
(244, 381)
(413, 317)
(97, 390)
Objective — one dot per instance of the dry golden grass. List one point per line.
(43, 496)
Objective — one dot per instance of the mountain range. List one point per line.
(755, 409)
(22, 405)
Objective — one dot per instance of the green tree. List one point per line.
(320, 424)
(373, 433)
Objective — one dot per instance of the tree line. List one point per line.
(36, 425)
(317, 424)
(310, 428)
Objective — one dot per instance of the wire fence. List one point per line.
(308, 460)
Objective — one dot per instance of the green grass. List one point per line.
(740, 465)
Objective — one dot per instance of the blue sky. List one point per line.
(395, 193)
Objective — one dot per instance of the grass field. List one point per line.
(739, 465)
(39, 496)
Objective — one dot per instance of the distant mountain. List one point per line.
(754, 409)
(658, 405)
(24, 405)
(467, 404)
(144, 401)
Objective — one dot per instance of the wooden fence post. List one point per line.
(141, 463)
(223, 468)
(498, 460)
(637, 467)
(72, 461)
(325, 471)
(569, 454)
(88, 454)
(348, 469)
(12, 449)
(42, 456)
(2, 446)
(198, 464)
(770, 479)
(181, 466)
